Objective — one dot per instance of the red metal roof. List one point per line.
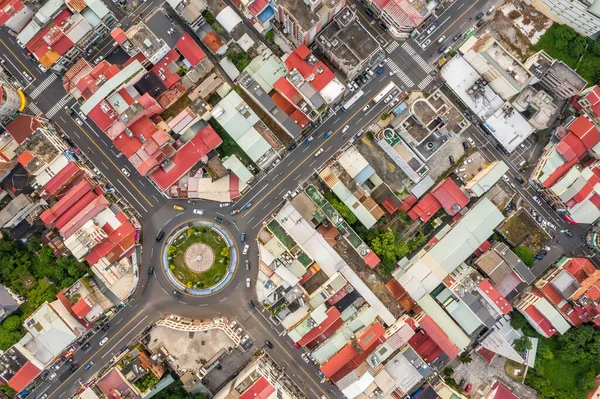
(25, 158)
(9, 9)
(332, 315)
(299, 118)
(213, 41)
(119, 36)
(390, 206)
(372, 260)
(500, 391)
(439, 337)
(102, 119)
(62, 178)
(427, 207)
(187, 156)
(450, 196)
(587, 132)
(287, 89)
(551, 294)
(339, 360)
(261, 389)
(282, 103)
(579, 268)
(321, 73)
(162, 71)
(66, 217)
(86, 214)
(487, 355)
(257, 6)
(408, 202)
(540, 320)
(23, 376)
(371, 336)
(22, 127)
(356, 361)
(66, 202)
(188, 47)
(81, 308)
(492, 293)
(113, 246)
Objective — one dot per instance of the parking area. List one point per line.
(189, 349)
(526, 155)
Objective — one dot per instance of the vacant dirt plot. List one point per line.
(517, 26)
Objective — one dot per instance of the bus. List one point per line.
(386, 90)
(352, 100)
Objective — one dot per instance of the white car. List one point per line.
(425, 43)
(42, 68)
(20, 44)
(79, 121)
(104, 340)
(126, 172)
(505, 178)
(247, 282)
(246, 338)
(305, 358)
(537, 200)
(233, 324)
(345, 129)
(366, 108)
(27, 76)
(52, 376)
(198, 211)
(441, 39)
(224, 204)
(394, 102)
(319, 152)
(553, 227)
(387, 99)
(471, 141)
(246, 247)
(370, 72)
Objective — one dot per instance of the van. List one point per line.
(522, 163)
(480, 15)
(160, 235)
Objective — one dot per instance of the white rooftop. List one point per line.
(509, 127)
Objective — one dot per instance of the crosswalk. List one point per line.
(392, 46)
(59, 105)
(47, 82)
(411, 51)
(428, 79)
(34, 108)
(396, 69)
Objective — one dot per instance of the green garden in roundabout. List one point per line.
(198, 257)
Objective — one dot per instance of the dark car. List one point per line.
(150, 271)
(247, 265)
(543, 252)
(369, 12)
(465, 145)
(218, 220)
(177, 294)
(383, 27)
(269, 344)
(480, 22)
(251, 304)
(293, 147)
(480, 15)
(74, 367)
(243, 237)
(451, 159)
(85, 346)
(458, 36)
(442, 49)
(538, 257)
(160, 235)
(520, 179)
(89, 365)
(247, 344)
(105, 327)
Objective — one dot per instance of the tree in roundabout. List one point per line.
(198, 257)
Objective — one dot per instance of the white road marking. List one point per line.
(103, 164)
(252, 218)
(134, 197)
(108, 352)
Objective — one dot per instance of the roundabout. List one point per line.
(199, 257)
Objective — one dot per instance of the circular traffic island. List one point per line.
(199, 258)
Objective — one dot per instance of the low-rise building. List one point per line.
(190, 11)
(8, 302)
(579, 15)
(486, 178)
(540, 313)
(401, 17)
(348, 45)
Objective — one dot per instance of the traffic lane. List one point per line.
(110, 167)
(456, 12)
(16, 65)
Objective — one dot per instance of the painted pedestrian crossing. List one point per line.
(396, 69)
(43, 86)
(419, 60)
(58, 106)
(392, 46)
(34, 108)
(425, 82)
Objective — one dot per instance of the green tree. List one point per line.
(12, 323)
(225, 252)
(171, 249)
(448, 371)
(146, 382)
(577, 47)
(525, 254)
(270, 35)
(384, 245)
(465, 357)
(522, 344)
